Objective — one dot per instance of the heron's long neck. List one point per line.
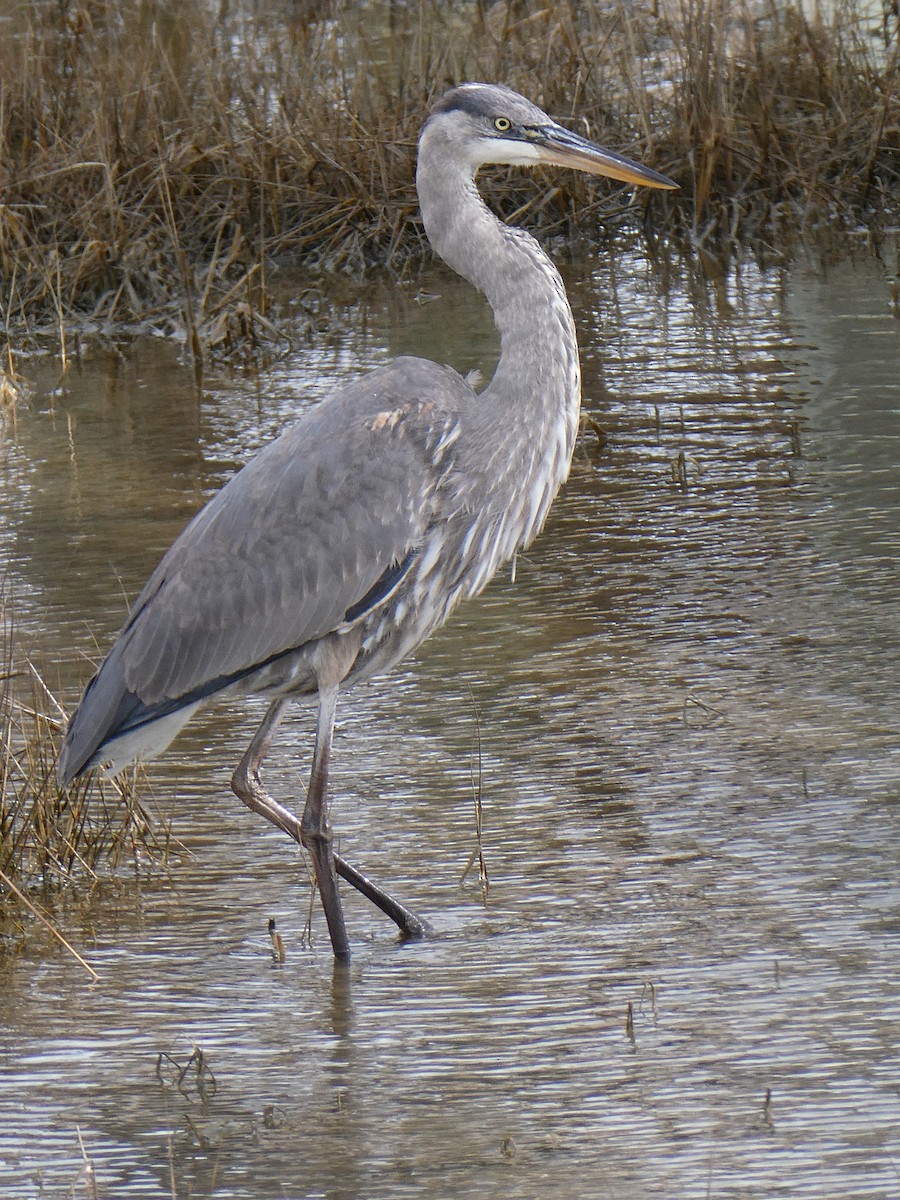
(537, 377)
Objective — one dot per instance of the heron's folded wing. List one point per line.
(299, 542)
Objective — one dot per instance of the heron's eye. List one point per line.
(502, 124)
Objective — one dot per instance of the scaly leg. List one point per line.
(246, 785)
(245, 782)
(315, 827)
(407, 922)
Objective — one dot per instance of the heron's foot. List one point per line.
(411, 926)
(246, 785)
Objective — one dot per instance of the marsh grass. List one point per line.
(49, 837)
(156, 160)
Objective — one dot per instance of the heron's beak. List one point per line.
(561, 148)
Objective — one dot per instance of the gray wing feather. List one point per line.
(298, 536)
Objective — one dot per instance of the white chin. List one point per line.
(514, 154)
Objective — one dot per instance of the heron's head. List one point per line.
(479, 123)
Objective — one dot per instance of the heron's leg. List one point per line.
(407, 922)
(315, 827)
(246, 785)
(314, 831)
(245, 781)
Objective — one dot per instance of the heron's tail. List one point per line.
(112, 727)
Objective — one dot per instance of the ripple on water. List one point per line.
(681, 718)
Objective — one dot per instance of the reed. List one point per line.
(157, 159)
(49, 837)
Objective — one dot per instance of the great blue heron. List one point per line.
(342, 545)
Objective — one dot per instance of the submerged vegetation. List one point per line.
(157, 159)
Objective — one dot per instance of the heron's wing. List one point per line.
(313, 532)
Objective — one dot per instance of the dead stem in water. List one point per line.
(477, 854)
(13, 388)
(13, 391)
(157, 161)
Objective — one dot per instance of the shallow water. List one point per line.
(684, 981)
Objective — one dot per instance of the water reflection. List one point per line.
(683, 715)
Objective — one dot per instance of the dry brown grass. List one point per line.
(49, 837)
(789, 124)
(155, 159)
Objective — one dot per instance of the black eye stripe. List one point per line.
(526, 133)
